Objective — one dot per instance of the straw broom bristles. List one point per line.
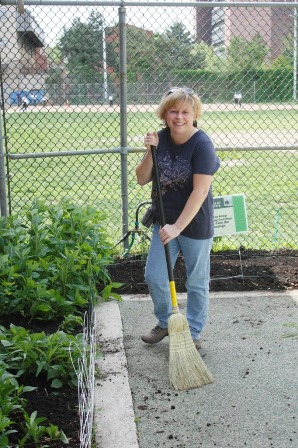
(187, 369)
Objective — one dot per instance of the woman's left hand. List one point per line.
(168, 233)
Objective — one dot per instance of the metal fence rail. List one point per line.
(92, 73)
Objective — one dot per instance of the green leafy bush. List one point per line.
(11, 401)
(27, 353)
(50, 265)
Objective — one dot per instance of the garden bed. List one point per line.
(230, 271)
(58, 406)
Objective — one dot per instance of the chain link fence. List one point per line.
(80, 85)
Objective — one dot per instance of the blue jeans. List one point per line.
(196, 255)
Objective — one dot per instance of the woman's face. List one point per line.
(180, 118)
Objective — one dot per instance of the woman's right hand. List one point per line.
(151, 139)
(144, 170)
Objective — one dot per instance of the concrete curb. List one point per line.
(113, 416)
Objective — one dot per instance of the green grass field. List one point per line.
(59, 131)
(268, 178)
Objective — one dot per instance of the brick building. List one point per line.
(217, 25)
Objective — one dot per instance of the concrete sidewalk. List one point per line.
(248, 345)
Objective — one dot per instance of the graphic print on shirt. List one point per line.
(174, 172)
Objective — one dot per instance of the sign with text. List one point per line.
(230, 215)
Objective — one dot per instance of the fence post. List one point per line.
(123, 120)
(3, 203)
(295, 56)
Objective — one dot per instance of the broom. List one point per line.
(187, 370)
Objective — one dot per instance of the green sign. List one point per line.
(230, 215)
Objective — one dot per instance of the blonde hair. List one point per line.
(175, 96)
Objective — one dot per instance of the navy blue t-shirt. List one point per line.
(177, 164)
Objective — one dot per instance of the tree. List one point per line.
(173, 49)
(151, 55)
(56, 66)
(286, 58)
(140, 51)
(179, 32)
(204, 57)
(245, 54)
(281, 63)
(82, 48)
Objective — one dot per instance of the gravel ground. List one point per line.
(249, 347)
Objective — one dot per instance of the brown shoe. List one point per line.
(197, 343)
(155, 335)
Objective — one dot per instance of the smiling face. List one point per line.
(179, 110)
(179, 119)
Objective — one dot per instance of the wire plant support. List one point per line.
(85, 371)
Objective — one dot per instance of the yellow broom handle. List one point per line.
(173, 294)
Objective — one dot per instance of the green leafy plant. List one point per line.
(36, 432)
(5, 422)
(11, 401)
(51, 263)
(10, 391)
(29, 353)
(71, 322)
(108, 293)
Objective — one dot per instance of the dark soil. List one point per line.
(241, 271)
(59, 406)
(230, 271)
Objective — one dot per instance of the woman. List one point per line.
(187, 162)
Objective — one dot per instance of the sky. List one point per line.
(52, 19)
